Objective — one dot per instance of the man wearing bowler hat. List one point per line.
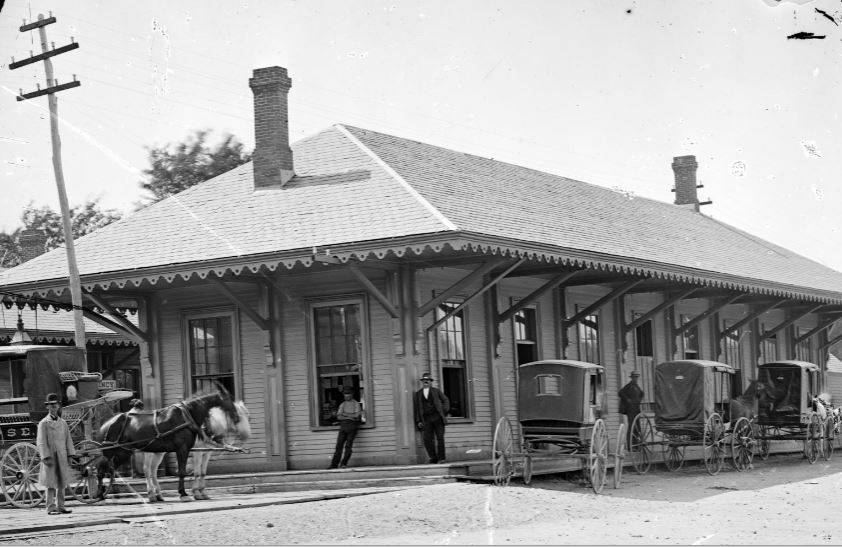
(630, 397)
(55, 447)
(431, 408)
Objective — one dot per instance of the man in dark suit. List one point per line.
(431, 408)
(630, 398)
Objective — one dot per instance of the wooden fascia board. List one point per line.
(751, 317)
(817, 329)
(247, 309)
(373, 291)
(658, 309)
(704, 315)
(771, 332)
(118, 318)
(613, 295)
(534, 295)
(459, 286)
(478, 293)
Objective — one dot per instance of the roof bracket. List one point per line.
(374, 291)
(815, 330)
(119, 321)
(673, 300)
(535, 295)
(247, 309)
(751, 317)
(460, 285)
(676, 331)
(771, 332)
(613, 295)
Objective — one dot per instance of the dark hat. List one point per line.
(635, 373)
(348, 389)
(52, 398)
(427, 376)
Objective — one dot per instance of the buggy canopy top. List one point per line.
(686, 391)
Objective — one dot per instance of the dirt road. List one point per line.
(782, 501)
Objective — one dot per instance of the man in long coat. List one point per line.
(431, 408)
(631, 396)
(55, 447)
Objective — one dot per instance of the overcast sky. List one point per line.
(606, 92)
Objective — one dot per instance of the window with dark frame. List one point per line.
(526, 335)
(212, 354)
(587, 335)
(768, 347)
(12, 372)
(690, 339)
(644, 351)
(733, 356)
(803, 349)
(452, 358)
(338, 340)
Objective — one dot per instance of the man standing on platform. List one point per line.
(55, 447)
(630, 397)
(431, 408)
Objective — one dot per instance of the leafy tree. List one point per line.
(178, 166)
(85, 219)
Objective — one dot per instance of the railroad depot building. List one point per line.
(358, 258)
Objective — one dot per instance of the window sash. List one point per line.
(452, 352)
(587, 336)
(338, 350)
(212, 356)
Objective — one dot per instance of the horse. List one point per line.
(213, 434)
(171, 429)
(742, 406)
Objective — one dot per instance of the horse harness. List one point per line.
(188, 422)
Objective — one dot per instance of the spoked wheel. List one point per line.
(829, 437)
(763, 442)
(21, 465)
(86, 487)
(673, 455)
(502, 453)
(640, 448)
(713, 442)
(598, 456)
(813, 442)
(527, 469)
(742, 445)
(619, 455)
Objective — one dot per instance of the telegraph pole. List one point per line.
(52, 88)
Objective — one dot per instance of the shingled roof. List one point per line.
(355, 186)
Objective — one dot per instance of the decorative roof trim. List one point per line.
(417, 245)
(394, 174)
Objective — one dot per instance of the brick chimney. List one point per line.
(684, 168)
(32, 243)
(272, 159)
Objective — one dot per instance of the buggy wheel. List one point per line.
(829, 437)
(502, 453)
(527, 469)
(713, 442)
(598, 456)
(86, 485)
(619, 455)
(765, 432)
(813, 442)
(742, 445)
(673, 454)
(640, 447)
(21, 466)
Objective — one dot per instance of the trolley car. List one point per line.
(560, 408)
(787, 409)
(693, 408)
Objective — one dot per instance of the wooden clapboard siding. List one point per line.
(177, 302)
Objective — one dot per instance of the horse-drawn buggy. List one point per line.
(694, 408)
(27, 374)
(789, 409)
(560, 408)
